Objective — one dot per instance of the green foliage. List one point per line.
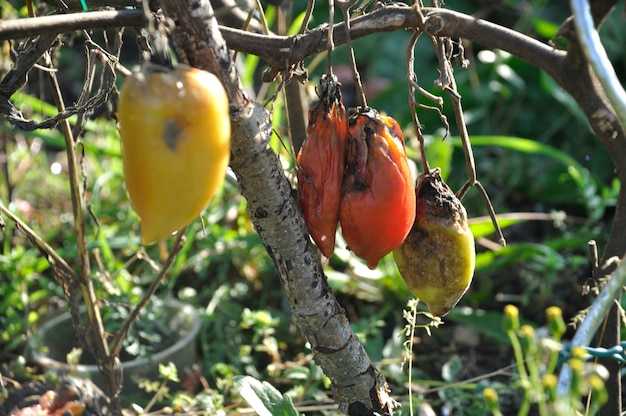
(264, 398)
(536, 360)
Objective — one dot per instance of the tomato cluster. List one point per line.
(353, 170)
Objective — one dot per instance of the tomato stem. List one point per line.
(413, 86)
(345, 8)
(331, 43)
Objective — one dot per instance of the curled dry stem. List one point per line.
(331, 44)
(345, 5)
(469, 160)
(179, 243)
(55, 260)
(307, 16)
(86, 103)
(413, 86)
(443, 48)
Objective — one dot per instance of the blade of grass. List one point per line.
(579, 173)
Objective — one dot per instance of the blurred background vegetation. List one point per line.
(534, 154)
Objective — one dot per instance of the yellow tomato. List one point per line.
(438, 257)
(175, 131)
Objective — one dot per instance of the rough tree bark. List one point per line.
(359, 388)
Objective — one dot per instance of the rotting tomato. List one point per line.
(378, 198)
(175, 133)
(437, 258)
(321, 162)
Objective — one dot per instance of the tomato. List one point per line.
(378, 198)
(72, 408)
(437, 258)
(52, 403)
(321, 163)
(175, 133)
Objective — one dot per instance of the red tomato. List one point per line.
(378, 197)
(321, 162)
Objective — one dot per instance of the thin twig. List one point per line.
(412, 82)
(446, 81)
(593, 256)
(469, 160)
(467, 146)
(331, 44)
(50, 254)
(4, 163)
(179, 243)
(345, 8)
(55, 24)
(491, 211)
(307, 16)
(156, 396)
(96, 338)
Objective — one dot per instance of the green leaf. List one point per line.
(264, 398)
(581, 176)
(487, 323)
(296, 24)
(250, 65)
(440, 154)
(451, 368)
(169, 372)
(485, 227)
(533, 147)
(520, 252)
(545, 28)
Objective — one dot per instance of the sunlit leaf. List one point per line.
(264, 398)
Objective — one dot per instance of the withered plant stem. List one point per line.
(360, 92)
(412, 82)
(95, 335)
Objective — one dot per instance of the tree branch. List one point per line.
(589, 40)
(76, 5)
(279, 51)
(447, 23)
(59, 23)
(30, 53)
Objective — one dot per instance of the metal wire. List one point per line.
(592, 321)
(594, 51)
(617, 353)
